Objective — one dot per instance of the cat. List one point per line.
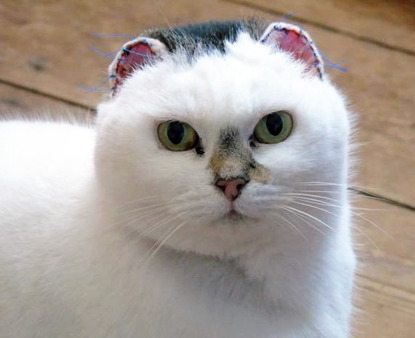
(209, 199)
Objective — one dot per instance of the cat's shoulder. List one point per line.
(36, 152)
(19, 137)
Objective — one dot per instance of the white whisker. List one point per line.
(311, 216)
(312, 195)
(374, 224)
(160, 224)
(354, 214)
(292, 226)
(316, 201)
(159, 243)
(303, 219)
(314, 207)
(367, 236)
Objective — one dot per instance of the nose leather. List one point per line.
(231, 188)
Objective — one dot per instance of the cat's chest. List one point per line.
(175, 297)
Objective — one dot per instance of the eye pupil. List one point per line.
(175, 132)
(274, 127)
(177, 136)
(274, 124)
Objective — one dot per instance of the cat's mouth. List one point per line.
(235, 217)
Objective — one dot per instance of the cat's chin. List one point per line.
(234, 217)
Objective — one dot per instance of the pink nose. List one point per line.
(231, 188)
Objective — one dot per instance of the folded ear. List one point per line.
(133, 55)
(292, 39)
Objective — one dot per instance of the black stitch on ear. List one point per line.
(133, 55)
(297, 42)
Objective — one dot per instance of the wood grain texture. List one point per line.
(385, 312)
(385, 290)
(387, 23)
(385, 242)
(48, 46)
(21, 104)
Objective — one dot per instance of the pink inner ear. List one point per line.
(297, 44)
(132, 57)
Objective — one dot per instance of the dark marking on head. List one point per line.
(233, 159)
(206, 36)
(184, 43)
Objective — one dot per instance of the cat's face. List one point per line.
(176, 196)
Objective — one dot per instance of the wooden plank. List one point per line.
(17, 103)
(387, 23)
(382, 314)
(385, 241)
(385, 292)
(44, 48)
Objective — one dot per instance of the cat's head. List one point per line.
(204, 149)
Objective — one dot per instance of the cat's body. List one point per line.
(105, 233)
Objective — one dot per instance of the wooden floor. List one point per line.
(53, 53)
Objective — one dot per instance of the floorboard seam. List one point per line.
(381, 198)
(47, 95)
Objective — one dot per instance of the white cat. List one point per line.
(209, 201)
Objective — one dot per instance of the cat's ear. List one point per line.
(292, 39)
(135, 54)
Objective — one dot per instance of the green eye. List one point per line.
(177, 136)
(274, 128)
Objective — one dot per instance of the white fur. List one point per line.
(78, 236)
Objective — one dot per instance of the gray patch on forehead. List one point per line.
(230, 141)
(233, 158)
